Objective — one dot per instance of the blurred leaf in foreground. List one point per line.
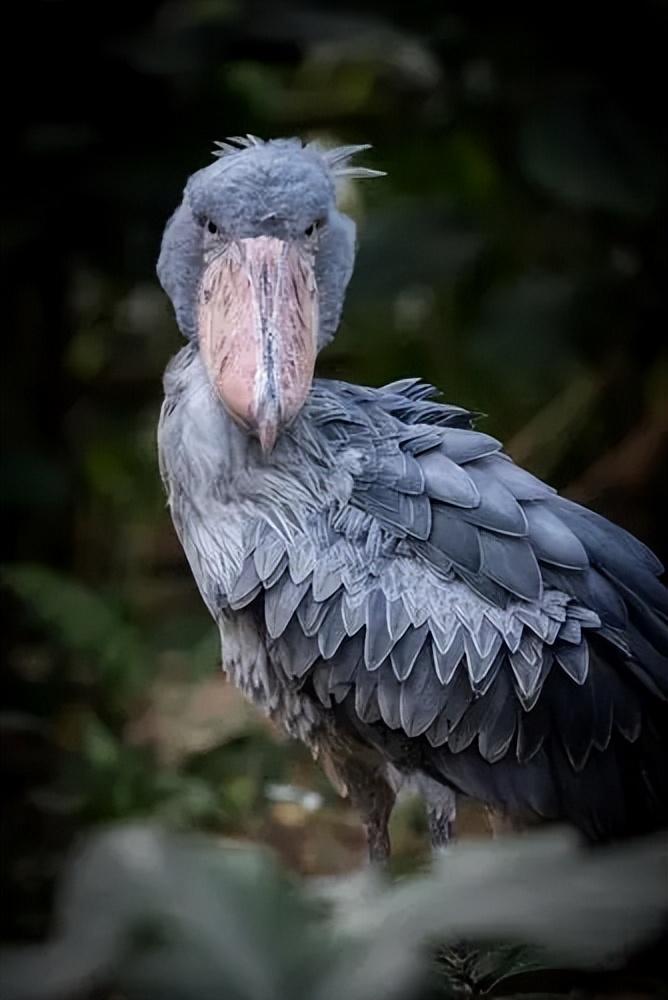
(157, 915)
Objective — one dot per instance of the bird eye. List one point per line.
(212, 227)
(313, 228)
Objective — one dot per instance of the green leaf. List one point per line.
(83, 622)
(99, 745)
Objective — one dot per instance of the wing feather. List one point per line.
(453, 599)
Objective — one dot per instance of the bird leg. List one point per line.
(360, 777)
(373, 798)
(441, 827)
(441, 805)
(375, 804)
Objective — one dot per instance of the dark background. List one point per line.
(515, 256)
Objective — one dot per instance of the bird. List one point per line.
(389, 586)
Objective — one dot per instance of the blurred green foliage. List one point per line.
(514, 256)
(187, 920)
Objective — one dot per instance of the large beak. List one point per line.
(258, 331)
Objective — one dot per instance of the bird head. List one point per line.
(256, 261)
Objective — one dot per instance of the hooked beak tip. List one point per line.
(266, 421)
(267, 433)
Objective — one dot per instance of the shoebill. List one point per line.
(388, 585)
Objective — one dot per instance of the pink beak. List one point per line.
(258, 332)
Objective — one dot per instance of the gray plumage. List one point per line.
(388, 584)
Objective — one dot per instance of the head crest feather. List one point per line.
(235, 143)
(336, 159)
